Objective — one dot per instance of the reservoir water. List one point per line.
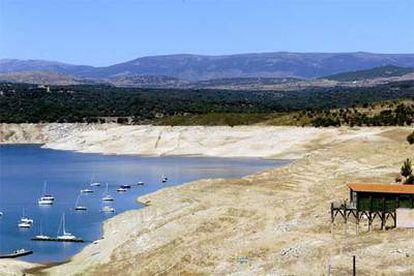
(24, 169)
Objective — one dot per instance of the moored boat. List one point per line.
(46, 199)
(78, 206)
(25, 222)
(108, 209)
(106, 195)
(16, 253)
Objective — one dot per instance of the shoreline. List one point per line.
(168, 206)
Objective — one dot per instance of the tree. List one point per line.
(410, 138)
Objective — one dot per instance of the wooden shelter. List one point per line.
(374, 201)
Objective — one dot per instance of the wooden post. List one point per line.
(353, 266)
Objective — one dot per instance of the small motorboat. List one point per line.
(164, 179)
(1, 214)
(16, 253)
(140, 183)
(121, 190)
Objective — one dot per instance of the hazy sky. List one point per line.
(103, 32)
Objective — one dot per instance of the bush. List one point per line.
(410, 138)
(406, 169)
(409, 180)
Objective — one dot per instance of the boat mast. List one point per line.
(77, 200)
(63, 224)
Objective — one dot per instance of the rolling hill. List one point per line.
(377, 72)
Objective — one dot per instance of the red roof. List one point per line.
(382, 188)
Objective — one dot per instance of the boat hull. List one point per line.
(16, 255)
(56, 240)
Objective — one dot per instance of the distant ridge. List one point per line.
(377, 72)
(201, 67)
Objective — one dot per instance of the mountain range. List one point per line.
(201, 67)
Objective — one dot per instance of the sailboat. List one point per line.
(107, 196)
(94, 183)
(79, 207)
(121, 190)
(40, 236)
(86, 191)
(66, 236)
(25, 222)
(46, 199)
(107, 208)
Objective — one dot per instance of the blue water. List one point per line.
(24, 168)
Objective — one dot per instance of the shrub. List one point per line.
(406, 169)
(410, 138)
(409, 180)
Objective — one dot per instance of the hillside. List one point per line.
(202, 67)
(377, 72)
(43, 77)
(89, 103)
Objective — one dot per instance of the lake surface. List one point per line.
(24, 168)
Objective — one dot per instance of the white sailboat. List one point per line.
(79, 207)
(40, 236)
(106, 195)
(107, 209)
(46, 199)
(25, 222)
(86, 191)
(66, 236)
(121, 190)
(94, 183)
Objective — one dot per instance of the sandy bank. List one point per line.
(247, 141)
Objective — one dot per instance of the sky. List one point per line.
(104, 32)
